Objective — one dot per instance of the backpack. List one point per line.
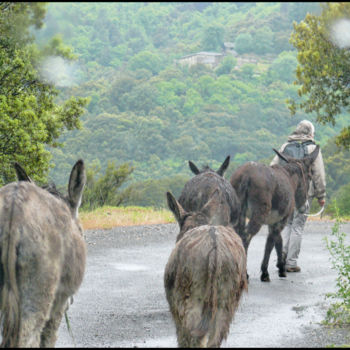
(296, 149)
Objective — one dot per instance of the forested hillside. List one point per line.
(149, 110)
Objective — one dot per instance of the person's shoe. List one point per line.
(293, 269)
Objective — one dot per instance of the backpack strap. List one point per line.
(306, 143)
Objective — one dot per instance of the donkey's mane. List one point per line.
(295, 167)
(52, 189)
(206, 168)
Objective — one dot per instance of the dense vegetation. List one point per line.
(323, 44)
(148, 114)
(30, 119)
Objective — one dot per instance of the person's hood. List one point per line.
(301, 138)
(304, 131)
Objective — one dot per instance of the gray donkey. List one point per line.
(197, 191)
(204, 277)
(43, 257)
(268, 195)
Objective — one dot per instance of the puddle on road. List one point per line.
(130, 267)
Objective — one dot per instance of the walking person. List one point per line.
(301, 142)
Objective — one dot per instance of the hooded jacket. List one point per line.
(305, 132)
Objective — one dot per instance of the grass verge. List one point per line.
(108, 217)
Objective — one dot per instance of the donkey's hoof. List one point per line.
(265, 277)
(282, 274)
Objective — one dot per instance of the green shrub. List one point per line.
(105, 190)
(339, 311)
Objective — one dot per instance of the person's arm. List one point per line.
(319, 179)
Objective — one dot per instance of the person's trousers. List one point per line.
(292, 235)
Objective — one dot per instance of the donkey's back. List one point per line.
(42, 262)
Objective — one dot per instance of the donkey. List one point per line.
(43, 256)
(204, 277)
(268, 195)
(198, 190)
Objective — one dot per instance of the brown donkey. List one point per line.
(42, 258)
(204, 277)
(268, 195)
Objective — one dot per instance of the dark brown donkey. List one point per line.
(204, 277)
(42, 258)
(268, 195)
(200, 188)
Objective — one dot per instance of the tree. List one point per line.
(244, 43)
(30, 120)
(146, 60)
(106, 189)
(263, 40)
(227, 64)
(283, 67)
(213, 38)
(323, 70)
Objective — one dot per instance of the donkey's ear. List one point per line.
(21, 174)
(193, 168)
(76, 184)
(224, 166)
(175, 207)
(285, 158)
(310, 158)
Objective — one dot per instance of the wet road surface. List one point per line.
(121, 302)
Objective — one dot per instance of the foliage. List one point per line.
(323, 69)
(339, 311)
(105, 190)
(244, 43)
(30, 119)
(155, 114)
(153, 192)
(283, 67)
(213, 38)
(341, 201)
(226, 66)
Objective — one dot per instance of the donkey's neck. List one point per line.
(293, 174)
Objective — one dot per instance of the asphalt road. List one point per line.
(121, 302)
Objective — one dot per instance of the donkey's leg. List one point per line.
(36, 303)
(252, 229)
(281, 261)
(268, 248)
(49, 333)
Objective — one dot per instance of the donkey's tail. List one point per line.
(242, 193)
(10, 296)
(210, 300)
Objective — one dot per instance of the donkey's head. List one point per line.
(76, 185)
(213, 213)
(300, 169)
(220, 171)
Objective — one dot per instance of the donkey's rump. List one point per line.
(42, 259)
(40, 221)
(264, 190)
(204, 279)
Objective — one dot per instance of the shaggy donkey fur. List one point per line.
(42, 258)
(268, 195)
(204, 277)
(198, 190)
